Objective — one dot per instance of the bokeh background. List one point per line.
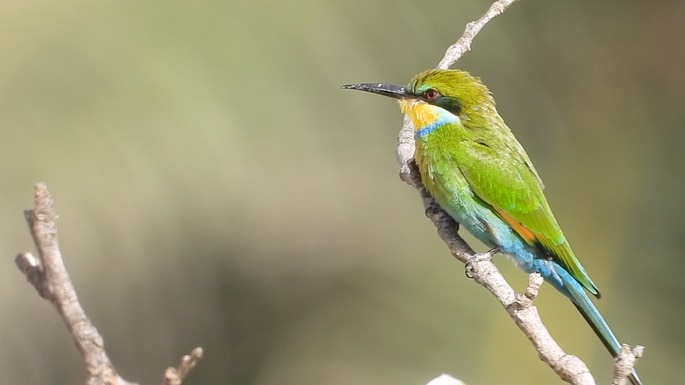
(217, 189)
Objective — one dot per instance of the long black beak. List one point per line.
(391, 90)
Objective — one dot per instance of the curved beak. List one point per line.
(390, 90)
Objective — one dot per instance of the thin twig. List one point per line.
(519, 307)
(48, 275)
(463, 45)
(625, 363)
(175, 376)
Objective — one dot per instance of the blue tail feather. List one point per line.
(568, 286)
(493, 231)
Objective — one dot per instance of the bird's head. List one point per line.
(437, 97)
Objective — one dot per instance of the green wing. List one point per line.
(502, 175)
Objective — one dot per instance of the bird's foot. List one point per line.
(432, 210)
(479, 257)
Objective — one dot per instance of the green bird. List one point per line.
(478, 172)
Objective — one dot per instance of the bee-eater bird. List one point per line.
(477, 171)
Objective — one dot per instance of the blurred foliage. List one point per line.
(216, 188)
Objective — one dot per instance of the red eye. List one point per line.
(431, 94)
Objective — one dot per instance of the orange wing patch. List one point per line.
(526, 234)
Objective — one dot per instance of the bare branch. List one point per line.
(175, 376)
(520, 307)
(463, 45)
(625, 363)
(50, 278)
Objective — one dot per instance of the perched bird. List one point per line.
(478, 172)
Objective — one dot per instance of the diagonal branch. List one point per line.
(50, 277)
(519, 306)
(463, 45)
(48, 274)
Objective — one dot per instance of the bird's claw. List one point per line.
(486, 256)
(431, 210)
(479, 257)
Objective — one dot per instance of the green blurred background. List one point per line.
(217, 189)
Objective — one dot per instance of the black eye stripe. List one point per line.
(450, 104)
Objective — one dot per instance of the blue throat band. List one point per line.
(429, 128)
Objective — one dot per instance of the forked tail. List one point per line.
(584, 304)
